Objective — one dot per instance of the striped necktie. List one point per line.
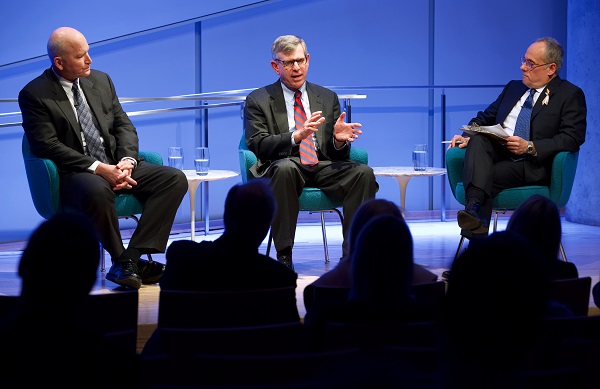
(308, 152)
(91, 134)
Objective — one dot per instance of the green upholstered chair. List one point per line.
(564, 167)
(312, 200)
(44, 186)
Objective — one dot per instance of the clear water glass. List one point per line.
(202, 161)
(420, 157)
(176, 157)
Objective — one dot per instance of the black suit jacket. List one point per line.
(268, 133)
(557, 126)
(52, 128)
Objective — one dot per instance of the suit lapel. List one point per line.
(548, 92)
(277, 106)
(63, 103)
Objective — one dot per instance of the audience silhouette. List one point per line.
(497, 299)
(339, 276)
(381, 274)
(232, 261)
(537, 219)
(45, 339)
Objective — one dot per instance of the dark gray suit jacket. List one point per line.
(52, 127)
(268, 134)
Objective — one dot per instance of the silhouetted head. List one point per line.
(368, 210)
(249, 210)
(496, 297)
(537, 219)
(66, 242)
(382, 262)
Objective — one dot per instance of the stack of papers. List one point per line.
(496, 131)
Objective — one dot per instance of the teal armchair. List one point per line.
(564, 167)
(44, 186)
(312, 200)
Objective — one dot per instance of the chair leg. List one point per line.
(562, 252)
(460, 245)
(324, 237)
(496, 212)
(102, 259)
(269, 244)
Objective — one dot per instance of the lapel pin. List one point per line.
(547, 98)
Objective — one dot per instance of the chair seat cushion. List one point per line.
(508, 198)
(126, 205)
(313, 199)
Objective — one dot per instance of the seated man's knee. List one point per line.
(283, 168)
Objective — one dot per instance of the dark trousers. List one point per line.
(347, 181)
(490, 167)
(159, 188)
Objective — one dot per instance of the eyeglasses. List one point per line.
(532, 65)
(290, 64)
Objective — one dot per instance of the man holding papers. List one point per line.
(542, 115)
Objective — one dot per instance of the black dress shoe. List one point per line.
(469, 219)
(124, 272)
(286, 259)
(150, 271)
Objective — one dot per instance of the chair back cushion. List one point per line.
(574, 293)
(261, 339)
(113, 315)
(44, 182)
(202, 309)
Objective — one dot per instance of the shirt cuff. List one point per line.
(130, 159)
(335, 144)
(93, 167)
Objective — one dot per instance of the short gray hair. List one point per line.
(286, 44)
(554, 52)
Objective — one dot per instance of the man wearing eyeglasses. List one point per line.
(553, 120)
(275, 130)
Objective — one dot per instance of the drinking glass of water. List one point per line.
(201, 161)
(176, 157)
(420, 157)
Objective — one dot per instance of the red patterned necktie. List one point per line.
(308, 153)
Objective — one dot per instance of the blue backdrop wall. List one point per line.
(389, 51)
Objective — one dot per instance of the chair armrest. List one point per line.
(247, 159)
(455, 158)
(152, 157)
(564, 167)
(360, 155)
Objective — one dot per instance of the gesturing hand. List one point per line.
(346, 132)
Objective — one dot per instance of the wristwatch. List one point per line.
(529, 147)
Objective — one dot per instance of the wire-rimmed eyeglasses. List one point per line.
(290, 64)
(532, 65)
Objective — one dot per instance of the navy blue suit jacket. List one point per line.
(559, 125)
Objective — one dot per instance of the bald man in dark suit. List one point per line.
(89, 184)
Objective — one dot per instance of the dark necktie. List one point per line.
(524, 118)
(308, 152)
(90, 132)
